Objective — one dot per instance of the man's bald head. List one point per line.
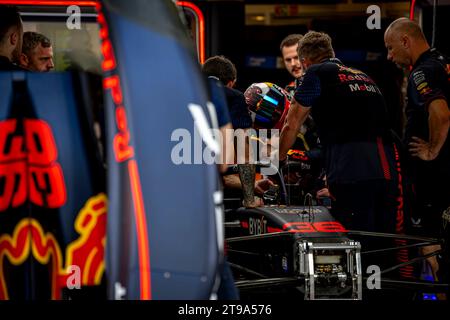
(405, 42)
(404, 26)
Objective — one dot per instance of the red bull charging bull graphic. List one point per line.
(52, 195)
(84, 256)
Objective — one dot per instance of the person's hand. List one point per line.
(323, 193)
(421, 149)
(262, 186)
(257, 202)
(276, 161)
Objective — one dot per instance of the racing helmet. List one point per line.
(268, 105)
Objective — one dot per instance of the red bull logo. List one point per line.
(87, 252)
(425, 91)
(298, 155)
(350, 70)
(124, 153)
(28, 165)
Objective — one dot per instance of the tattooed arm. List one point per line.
(247, 176)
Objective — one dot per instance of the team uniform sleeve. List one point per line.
(240, 116)
(426, 84)
(308, 89)
(223, 117)
(220, 102)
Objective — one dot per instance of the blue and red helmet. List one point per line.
(268, 105)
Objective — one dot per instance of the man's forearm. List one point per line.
(438, 122)
(287, 139)
(232, 181)
(295, 118)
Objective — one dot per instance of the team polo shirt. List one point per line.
(219, 100)
(351, 117)
(428, 81)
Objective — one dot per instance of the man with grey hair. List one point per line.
(37, 52)
(427, 124)
(352, 122)
(11, 32)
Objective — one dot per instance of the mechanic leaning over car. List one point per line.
(352, 122)
(11, 34)
(307, 136)
(225, 71)
(227, 290)
(427, 126)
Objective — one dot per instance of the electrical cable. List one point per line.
(433, 34)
